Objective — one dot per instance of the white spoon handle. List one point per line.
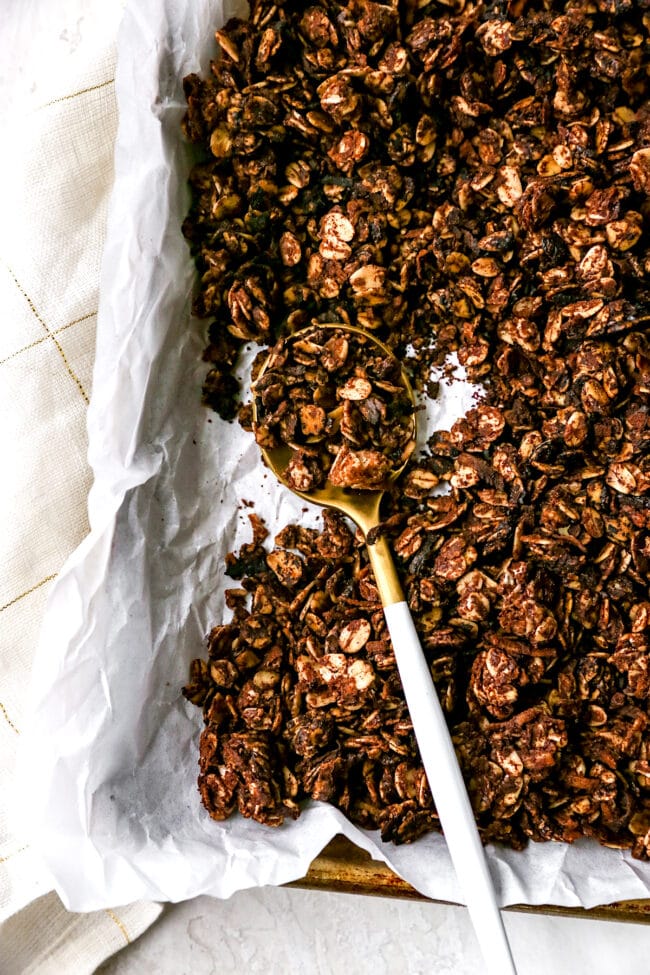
(449, 792)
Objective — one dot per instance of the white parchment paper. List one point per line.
(109, 759)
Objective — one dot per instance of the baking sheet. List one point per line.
(109, 760)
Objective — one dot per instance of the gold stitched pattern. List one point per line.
(51, 335)
(14, 854)
(27, 592)
(9, 721)
(115, 918)
(57, 331)
(83, 91)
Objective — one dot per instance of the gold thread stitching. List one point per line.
(57, 331)
(29, 301)
(9, 721)
(83, 91)
(27, 592)
(14, 854)
(115, 918)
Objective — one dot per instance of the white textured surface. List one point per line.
(276, 931)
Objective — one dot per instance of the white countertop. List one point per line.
(275, 931)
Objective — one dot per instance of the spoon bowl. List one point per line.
(277, 458)
(362, 507)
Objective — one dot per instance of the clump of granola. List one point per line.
(301, 694)
(341, 405)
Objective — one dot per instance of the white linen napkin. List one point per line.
(56, 90)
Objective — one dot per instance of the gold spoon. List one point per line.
(433, 738)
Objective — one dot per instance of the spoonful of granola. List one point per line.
(335, 418)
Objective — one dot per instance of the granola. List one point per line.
(457, 177)
(340, 404)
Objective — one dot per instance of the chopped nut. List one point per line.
(287, 567)
(354, 636)
(359, 469)
(290, 249)
(640, 170)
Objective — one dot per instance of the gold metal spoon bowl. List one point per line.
(433, 738)
(362, 507)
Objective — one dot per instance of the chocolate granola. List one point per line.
(469, 177)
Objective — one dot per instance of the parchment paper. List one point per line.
(109, 760)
